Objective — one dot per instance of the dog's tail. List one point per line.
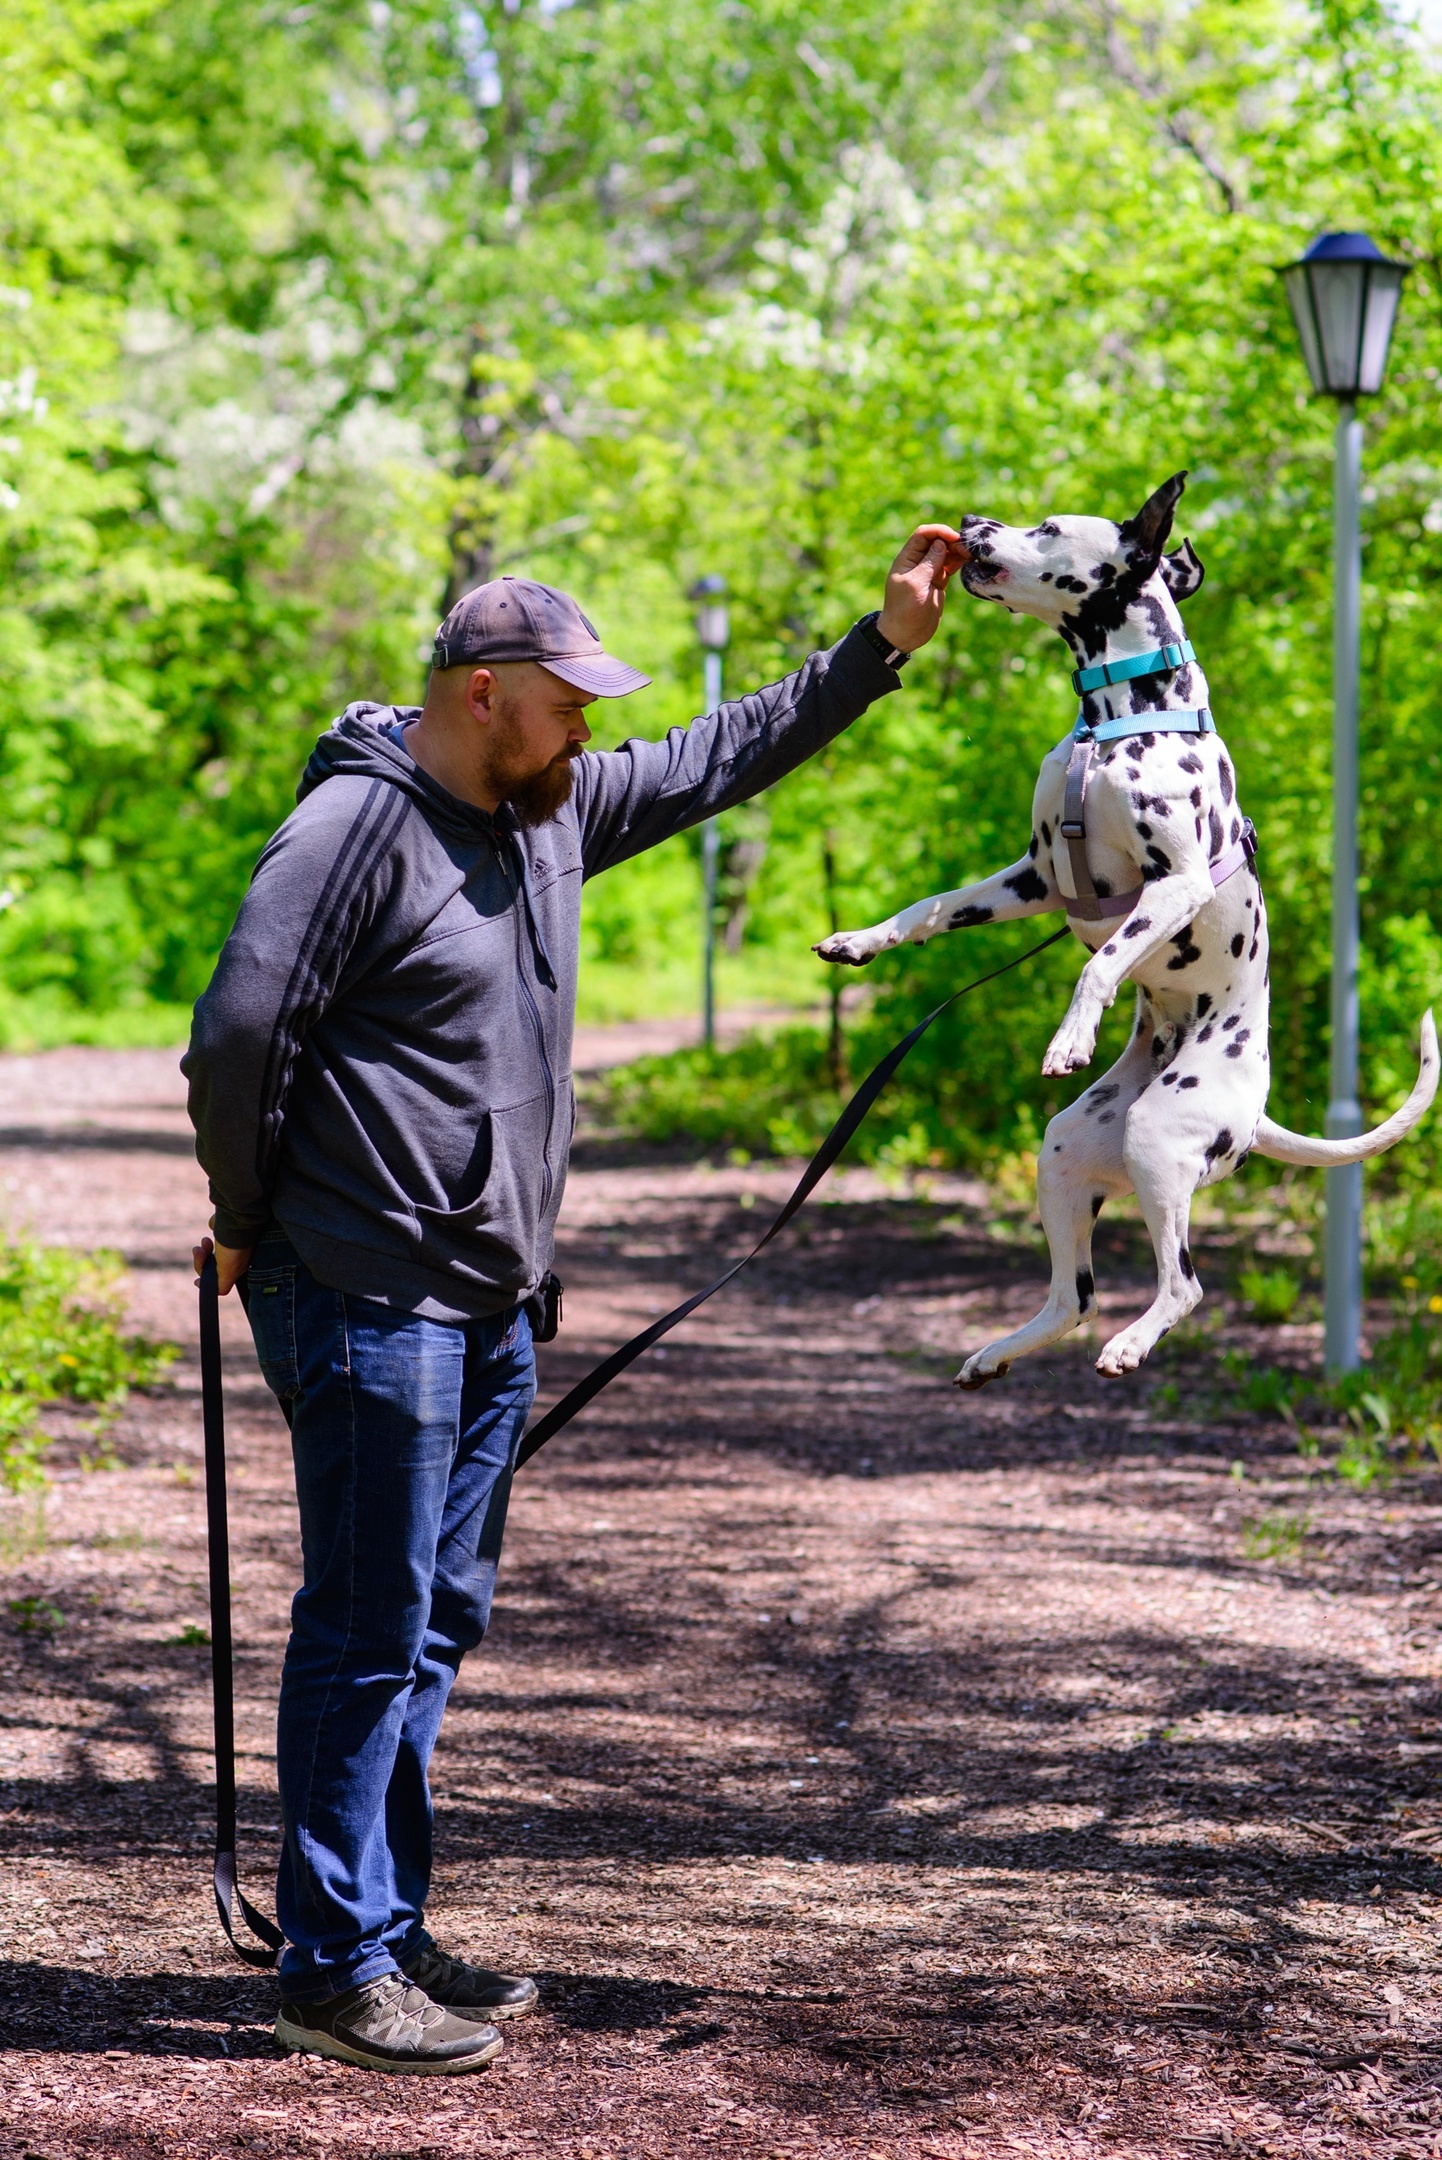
(1282, 1146)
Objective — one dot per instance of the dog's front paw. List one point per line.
(1070, 1049)
(853, 948)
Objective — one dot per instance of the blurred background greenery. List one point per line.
(312, 317)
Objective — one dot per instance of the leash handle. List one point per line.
(228, 1892)
(601, 1376)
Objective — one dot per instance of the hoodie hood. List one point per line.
(358, 745)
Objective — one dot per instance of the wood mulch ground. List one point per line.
(864, 1769)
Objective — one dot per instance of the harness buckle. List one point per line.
(1071, 831)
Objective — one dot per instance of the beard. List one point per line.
(534, 797)
(536, 800)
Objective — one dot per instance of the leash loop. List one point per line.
(228, 1892)
(601, 1376)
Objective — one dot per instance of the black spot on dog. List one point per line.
(1108, 1117)
(1245, 1156)
(1161, 806)
(1045, 578)
(1143, 828)
(1102, 887)
(1253, 953)
(1199, 828)
(1084, 1287)
(1107, 1092)
(1204, 1005)
(1108, 950)
(967, 917)
(1191, 763)
(1221, 1147)
(1146, 742)
(1160, 857)
(1136, 925)
(1214, 833)
(1187, 952)
(1232, 1020)
(1206, 1034)
(1159, 1048)
(1237, 943)
(1132, 773)
(1045, 833)
(1032, 846)
(1236, 830)
(1169, 1079)
(1027, 885)
(1224, 773)
(1098, 1201)
(1234, 1047)
(1184, 1262)
(1191, 1079)
(1196, 798)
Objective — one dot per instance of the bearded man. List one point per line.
(380, 1085)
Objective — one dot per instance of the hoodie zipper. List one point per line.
(520, 906)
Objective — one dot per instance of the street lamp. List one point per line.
(713, 628)
(1344, 295)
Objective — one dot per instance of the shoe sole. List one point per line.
(493, 2013)
(305, 2040)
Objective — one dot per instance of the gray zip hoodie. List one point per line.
(382, 1060)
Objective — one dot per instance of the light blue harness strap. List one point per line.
(1160, 662)
(1191, 720)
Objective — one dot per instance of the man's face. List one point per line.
(536, 724)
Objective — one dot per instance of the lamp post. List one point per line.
(713, 628)
(1344, 295)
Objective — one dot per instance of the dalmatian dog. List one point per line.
(1137, 832)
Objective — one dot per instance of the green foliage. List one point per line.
(60, 1340)
(1269, 1293)
(770, 1095)
(1275, 1536)
(309, 320)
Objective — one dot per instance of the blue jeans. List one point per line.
(404, 1433)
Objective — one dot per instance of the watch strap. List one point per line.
(891, 654)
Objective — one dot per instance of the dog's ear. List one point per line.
(1182, 573)
(1150, 529)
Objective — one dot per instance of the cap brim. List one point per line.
(598, 673)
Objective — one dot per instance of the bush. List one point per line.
(60, 1341)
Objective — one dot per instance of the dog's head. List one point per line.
(1084, 575)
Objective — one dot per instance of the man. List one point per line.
(380, 1086)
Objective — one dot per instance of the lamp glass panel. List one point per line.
(1384, 290)
(1299, 294)
(1338, 296)
(712, 627)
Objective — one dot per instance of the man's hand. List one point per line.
(916, 586)
(231, 1262)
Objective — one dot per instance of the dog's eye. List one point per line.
(1047, 531)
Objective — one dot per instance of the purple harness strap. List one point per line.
(1088, 903)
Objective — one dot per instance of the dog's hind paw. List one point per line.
(969, 1378)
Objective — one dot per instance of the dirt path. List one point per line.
(866, 1770)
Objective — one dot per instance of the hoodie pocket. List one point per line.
(495, 1233)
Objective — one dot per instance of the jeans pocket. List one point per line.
(271, 1309)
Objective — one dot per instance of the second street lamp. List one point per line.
(1344, 295)
(713, 628)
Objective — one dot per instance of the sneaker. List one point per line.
(470, 1990)
(387, 2024)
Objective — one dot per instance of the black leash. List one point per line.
(228, 1892)
(602, 1375)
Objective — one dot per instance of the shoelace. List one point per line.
(395, 2006)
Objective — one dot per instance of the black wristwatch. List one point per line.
(891, 654)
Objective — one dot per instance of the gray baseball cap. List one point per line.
(516, 619)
